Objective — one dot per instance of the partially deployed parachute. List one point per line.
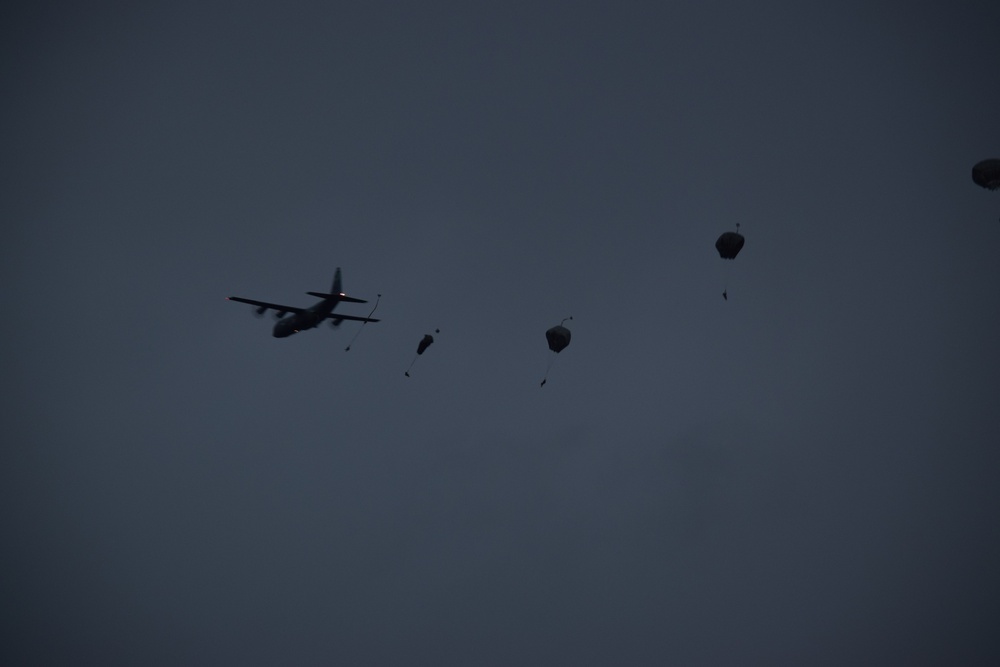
(729, 245)
(425, 342)
(422, 346)
(558, 339)
(987, 174)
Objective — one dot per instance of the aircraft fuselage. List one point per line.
(306, 319)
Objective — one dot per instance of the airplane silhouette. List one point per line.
(307, 318)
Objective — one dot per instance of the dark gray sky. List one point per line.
(803, 475)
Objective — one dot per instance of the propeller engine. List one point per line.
(259, 311)
(279, 314)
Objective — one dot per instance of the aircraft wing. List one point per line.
(265, 304)
(340, 316)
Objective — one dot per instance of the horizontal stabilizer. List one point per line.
(336, 297)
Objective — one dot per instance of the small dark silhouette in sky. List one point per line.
(986, 173)
(729, 245)
(558, 338)
(425, 343)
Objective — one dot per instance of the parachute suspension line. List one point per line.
(548, 367)
(407, 373)
(564, 320)
(348, 348)
(729, 271)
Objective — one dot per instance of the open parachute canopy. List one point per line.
(730, 244)
(987, 174)
(558, 338)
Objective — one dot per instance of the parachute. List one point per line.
(729, 245)
(558, 339)
(425, 343)
(986, 174)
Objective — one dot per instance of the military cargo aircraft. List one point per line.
(307, 318)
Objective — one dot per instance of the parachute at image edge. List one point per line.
(986, 174)
(558, 338)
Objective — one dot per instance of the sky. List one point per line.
(804, 473)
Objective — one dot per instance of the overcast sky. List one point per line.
(805, 474)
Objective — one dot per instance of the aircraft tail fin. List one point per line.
(338, 287)
(337, 293)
